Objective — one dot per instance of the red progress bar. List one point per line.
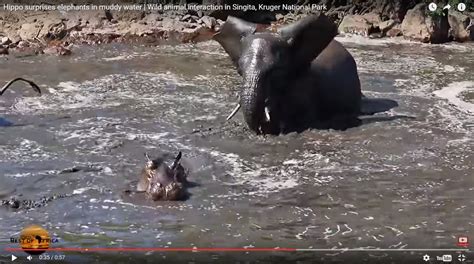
(94, 249)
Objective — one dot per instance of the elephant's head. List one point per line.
(269, 60)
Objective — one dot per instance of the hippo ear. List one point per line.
(147, 157)
(233, 30)
(176, 161)
(309, 36)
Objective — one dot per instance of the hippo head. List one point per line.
(161, 182)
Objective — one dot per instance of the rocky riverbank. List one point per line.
(417, 24)
(24, 33)
(52, 32)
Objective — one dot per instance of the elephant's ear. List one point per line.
(309, 36)
(233, 30)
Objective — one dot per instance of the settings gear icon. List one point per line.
(426, 258)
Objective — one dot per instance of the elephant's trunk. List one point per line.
(252, 100)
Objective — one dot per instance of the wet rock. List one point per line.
(57, 50)
(289, 18)
(458, 23)
(27, 52)
(80, 168)
(355, 24)
(22, 44)
(395, 31)
(129, 16)
(29, 30)
(279, 17)
(423, 26)
(208, 21)
(55, 31)
(385, 26)
(190, 19)
(168, 23)
(186, 17)
(372, 18)
(3, 51)
(97, 27)
(138, 29)
(94, 22)
(376, 35)
(74, 23)
(360, 24)
(14, 39)
(397, 9)
(369, 24)
(152, 19)
(89, 19)
(15, 203)
(5, 41)
(45, 25)
(393, 9)
(192, 34)
(26, 49)
(218, 25)
(188, 26)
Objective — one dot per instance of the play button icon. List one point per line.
(14, 257)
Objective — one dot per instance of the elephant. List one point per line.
(32, 84)
(296, 78)
(161, 182)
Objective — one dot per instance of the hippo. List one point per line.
(161, 182)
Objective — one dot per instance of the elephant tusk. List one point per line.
(32, 84)
(236, 109)
(471, 24)
(267, 114)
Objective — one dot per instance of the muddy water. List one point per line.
(404, 179)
